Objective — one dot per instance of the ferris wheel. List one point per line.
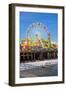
(38, 25)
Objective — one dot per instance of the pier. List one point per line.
(38, 55)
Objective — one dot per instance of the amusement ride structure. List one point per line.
(38, 38)
(39, 45)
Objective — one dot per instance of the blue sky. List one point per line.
(48, 19)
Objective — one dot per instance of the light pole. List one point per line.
(49, 41)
